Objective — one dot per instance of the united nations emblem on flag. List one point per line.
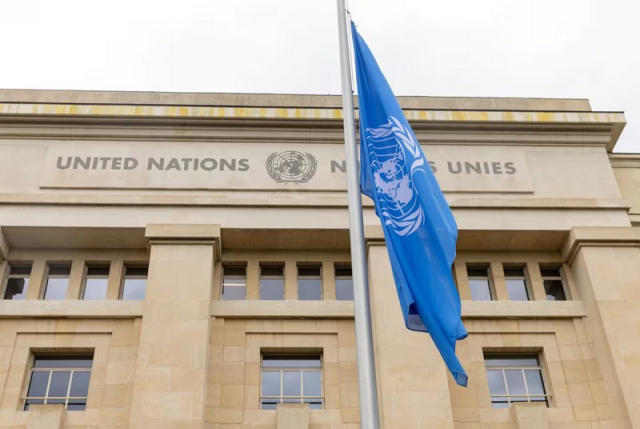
(395, 157)
(291, 166)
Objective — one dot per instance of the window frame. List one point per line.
(561, 277)
(539, 367)
(306, 277)
(86, 276)
(281, 369)
(55, 276)
(8, 276)
(133, 277)
(71, 369)
(234, 276)
(489, 278)
(271, 277)
(524, 278)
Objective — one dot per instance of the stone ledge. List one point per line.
(112, 309)
(599, 237)
(523, 309)
(283, 309)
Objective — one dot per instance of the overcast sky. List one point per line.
(512, 48)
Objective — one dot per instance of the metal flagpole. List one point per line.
(364, 338)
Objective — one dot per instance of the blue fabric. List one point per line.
(419, 228)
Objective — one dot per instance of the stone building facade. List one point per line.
(182, 261)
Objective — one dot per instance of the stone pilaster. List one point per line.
(171, 375)
(606, 265)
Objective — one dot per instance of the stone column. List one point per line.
(171, 376)
(413, 388)
(606, 265)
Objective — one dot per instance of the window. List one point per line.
(553, 284)
(309, 284)
(344, 284)
(515, 378)
(271, 283)
(57, 282)
(134, 285)
(234, 283)
(17, 282)
(291, 379)
(479, 284)
(516, 284)
(59, 379)
(95, 282)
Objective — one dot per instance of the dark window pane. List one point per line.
(62, 361)
(480, 290)
(271, 289)
(309, 290)
(309, 271)
(550, 272)
(554, 290)
(59, 384)
(314, 404)
(496, 383)
(98, 271)
(269, 404)
(56, 289)
(271, 271)
(16, 288)
(32, 401)
(511, 360)
(95, 289)
(134, 289)
(56, 401)
(344, 290)
(290, 361)
(38, 383)
(534, 382)
(59, 270)
(234, 271)
(499, 404)
(514, 272)
(270, 383)
(515, 382)
(80, 384)
(233, 293)
(137, 271)
(291, 383)
(517, 290)
(343, 272)
(23, 270)
(291, 400)
(477, 272)
(77, 405)
(312, 383)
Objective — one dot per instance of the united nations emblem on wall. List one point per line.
(291, 166)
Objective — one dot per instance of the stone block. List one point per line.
(46, 417)
(292, 416)
(530, 415)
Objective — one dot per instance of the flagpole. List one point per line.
(367, 388)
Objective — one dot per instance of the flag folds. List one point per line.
(419, 228)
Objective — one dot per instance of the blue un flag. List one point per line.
(419, 228)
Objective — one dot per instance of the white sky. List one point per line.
(516, 48)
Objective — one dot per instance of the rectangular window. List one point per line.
(271, 283)
(59, 379)
(95, 282)
(553, 284)
(17, 282)
(309, 284)
(479, 284)
(134, 284)
(516, 284)
(515, 378)
(234, 283)
(57, 282)
(344, 284)
(291, 379)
